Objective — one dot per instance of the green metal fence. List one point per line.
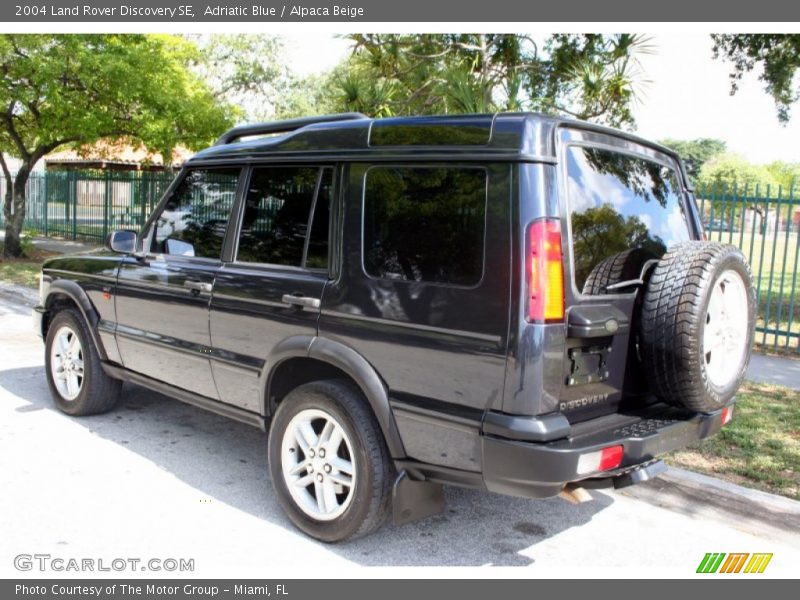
(89, 204)
(763, 221)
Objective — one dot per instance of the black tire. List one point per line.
(374, 473)
(623, 266)
(98, 392)
(674, 318)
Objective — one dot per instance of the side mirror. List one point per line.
(122, 242)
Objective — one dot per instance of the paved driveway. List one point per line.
(160, 479)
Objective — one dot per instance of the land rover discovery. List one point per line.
(509, 302)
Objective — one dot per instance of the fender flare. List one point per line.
(78, 295)
(372, 386)
(354, 365)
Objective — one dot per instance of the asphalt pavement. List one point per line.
(160, 479)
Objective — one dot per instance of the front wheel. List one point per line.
(76, 379)
(328, 461)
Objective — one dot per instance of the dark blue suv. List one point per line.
(510, 302)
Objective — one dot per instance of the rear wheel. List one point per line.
(76, 379)
(328, 461)
(697, 325)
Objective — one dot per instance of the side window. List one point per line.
(425, 224)
(195, 218)
(621, 206)
(276, 217)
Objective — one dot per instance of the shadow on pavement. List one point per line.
(227, 461)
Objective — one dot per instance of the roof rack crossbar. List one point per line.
(282, 126)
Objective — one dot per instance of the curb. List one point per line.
(701, 496)
(19, 294)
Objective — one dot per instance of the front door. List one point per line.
(162, 300)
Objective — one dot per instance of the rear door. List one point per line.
(162, 299)
(624, 205)
(271, 289)
(422, 293)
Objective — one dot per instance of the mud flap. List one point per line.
(415, 500)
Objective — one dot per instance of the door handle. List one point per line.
(197, 286)
(303, 301)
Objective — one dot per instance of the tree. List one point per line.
(78, 89)
(725, 173)
(250, 73)
(777, 54)
(695, 153)
(787, 175)
(593, 77)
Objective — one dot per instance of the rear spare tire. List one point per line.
(624, 266)
(697, 325)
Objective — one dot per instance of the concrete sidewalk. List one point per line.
(777, 370)
(57, 245)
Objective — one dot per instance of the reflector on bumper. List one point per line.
(602, 460)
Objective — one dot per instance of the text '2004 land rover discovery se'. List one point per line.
(508, 302)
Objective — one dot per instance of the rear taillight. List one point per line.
(545, 271)
(602, 460)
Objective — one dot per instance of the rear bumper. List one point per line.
(537, 470)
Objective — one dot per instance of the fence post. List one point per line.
(46, 215)
(144, 195)
(73, 190)
(107, 202)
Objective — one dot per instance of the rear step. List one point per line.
(625, 447)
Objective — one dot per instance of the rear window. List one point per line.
(618, 202)
(425, 224)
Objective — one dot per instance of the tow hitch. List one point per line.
(626, 478)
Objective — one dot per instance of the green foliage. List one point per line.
(593, 77)
(787, 175)
(728, 172)
(61, 89)
(760, 448)
(695, 153)
(250, 73)
(777, 54)
(26, 243)
(305, 97)
(20, 272)
(77, 89)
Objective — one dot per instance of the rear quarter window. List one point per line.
(619, 202)
(425, 224)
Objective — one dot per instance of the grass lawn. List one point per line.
(23, 271)
(760, 448)
(774, 260)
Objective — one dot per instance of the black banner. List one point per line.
(396, 589)
(392, 11)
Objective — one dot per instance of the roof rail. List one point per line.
(282, 126)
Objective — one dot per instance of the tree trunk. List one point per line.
(14, 221)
